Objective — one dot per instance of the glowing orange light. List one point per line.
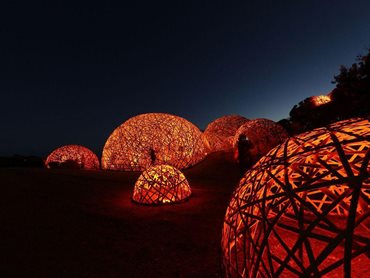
(304, 208)
(320, 100)
(161, 184)
(220, 132)
(154, 138)
(80, 155)
(264, 134)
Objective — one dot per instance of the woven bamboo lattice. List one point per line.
(161, 184)
(304, 208)
(264, 134)
(221, 131)
(320, 100)
(152, 139)
(80, 155)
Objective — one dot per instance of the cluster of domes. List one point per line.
(229, 132)
(160, 145)
(302, 210)
(156, 143)
(159, 138)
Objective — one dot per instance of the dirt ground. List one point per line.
(68, 223)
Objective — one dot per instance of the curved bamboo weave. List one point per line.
(82, 156)
(161, 184)
(154, 138)
(304, 208)
(264, 134)
(320, 100)
(221, 131)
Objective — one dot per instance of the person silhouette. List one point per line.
(244, 156)
(152, 156)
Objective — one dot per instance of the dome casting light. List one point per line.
(161, 184)
(320, 100)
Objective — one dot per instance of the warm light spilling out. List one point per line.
(152, 139)
(220, 132)
(161, 184)
(72, 156)
(320, 100)
(304, 208)
(263, 134)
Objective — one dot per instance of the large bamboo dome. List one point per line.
(304, 209)
(72, 156)
(154, 138)
(221, 131)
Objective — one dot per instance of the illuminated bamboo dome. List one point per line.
(72, 156)
(263, 134)
(154, 138)
(220, 132)
(320, 100)
(304, 209)
(161, 184)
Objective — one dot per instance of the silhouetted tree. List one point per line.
(351, 95)
(308, 115)
(350, 98)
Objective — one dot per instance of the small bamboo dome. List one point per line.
(151, 139)
(304, 208)
(221, 131)
(263, 134)
(161, 184)
(320, 100)
(72, 156)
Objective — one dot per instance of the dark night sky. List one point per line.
(73, 75)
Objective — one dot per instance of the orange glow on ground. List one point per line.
(161, 184)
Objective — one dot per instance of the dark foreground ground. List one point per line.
(66, 223)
